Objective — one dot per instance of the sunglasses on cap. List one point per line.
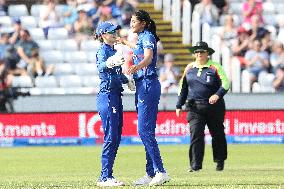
(200, 51)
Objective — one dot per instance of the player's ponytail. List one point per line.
(152, 28)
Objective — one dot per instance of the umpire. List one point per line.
(202, 87)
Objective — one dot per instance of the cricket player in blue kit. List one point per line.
(109, 103)
(147, 96)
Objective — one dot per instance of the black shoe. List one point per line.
(194, 169)
(220, 166)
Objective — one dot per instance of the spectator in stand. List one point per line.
(4, 44)
(241, 45)
(49, 18)
(208, 12)
(3, 8)
(267, 42)
(278, 82)
(83, 26)
(9, 56)
(277, 55)
(15, 36)
(127, 9)
(169, 74)
(222, 5)
(105, 15)
(257, 60)
(229, 32)
(115, 11)
(37, 66)
(257, 31)
(251, 8)
(25, 47)
(94, 13)
(70, 15)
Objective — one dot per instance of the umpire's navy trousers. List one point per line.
(200, 114)
(148, 92)
(110, 108)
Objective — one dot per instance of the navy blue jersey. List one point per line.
(146, 40)
(201, 82)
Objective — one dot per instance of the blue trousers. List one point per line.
(147, 98)
(110, 108)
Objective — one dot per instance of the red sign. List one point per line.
(45, 125)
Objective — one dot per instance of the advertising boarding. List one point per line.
(85, 128)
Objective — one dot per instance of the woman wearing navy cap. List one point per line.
(109, 103)
(148, 92)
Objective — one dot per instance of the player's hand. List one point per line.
(133, 69)
(178, 112)
(213, 99)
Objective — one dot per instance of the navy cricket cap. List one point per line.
(105, 27)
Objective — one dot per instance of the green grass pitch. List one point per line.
(248, 166)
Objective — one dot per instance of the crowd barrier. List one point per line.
(84, 128)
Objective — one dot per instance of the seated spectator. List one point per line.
(70, 15)
(49, 18)
(4, 44)
(82, 26)
(24, 48)
(37, 67)
(11, 60)
(252, 8)
(15, 36)
(222, 5)
(168, 74)
(278, 82)
(257, 60)
(127, 9)
(105, 15)
(208, 12)
(277, 55)
(9, 56)
(115, 11)
(94, 13)
(267, 42)
(256, 29)
(241, 45)
(229, 32)
(3, 8)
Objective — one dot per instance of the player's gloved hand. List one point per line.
(131, 84)
(115, 60)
